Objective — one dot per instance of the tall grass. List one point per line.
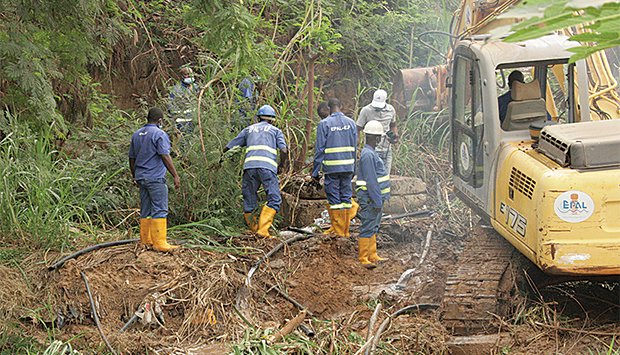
(41, 195)
(424, 145)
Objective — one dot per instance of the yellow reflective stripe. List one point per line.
(384, 178)
(360, 183)
(261, 147)
(347, 205)
(336, 207)
(339, 150)
(385, 191)
(259, 158)
(338, 162)
(364, 188)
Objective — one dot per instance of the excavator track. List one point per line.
(480, 287)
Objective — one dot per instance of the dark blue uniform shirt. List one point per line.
(148, 144)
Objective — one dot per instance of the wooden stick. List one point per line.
(288, 327)
(371, 325)
(95, 316)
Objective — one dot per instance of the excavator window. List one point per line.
(553, 78)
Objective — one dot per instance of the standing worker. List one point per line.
(149, 157)
(379, 110)
(323, 111)
(373, 189)
(260, 167)
(183, 102)
(336, 138)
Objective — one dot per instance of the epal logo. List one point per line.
(574, 206)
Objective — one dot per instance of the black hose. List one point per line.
(62, 261)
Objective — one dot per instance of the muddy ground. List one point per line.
(209, 308)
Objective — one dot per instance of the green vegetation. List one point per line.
(600, 19)
(67, 72)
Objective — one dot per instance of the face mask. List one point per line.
(188, 80)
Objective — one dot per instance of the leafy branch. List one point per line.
(597, 21)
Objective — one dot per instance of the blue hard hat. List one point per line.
(266, 110)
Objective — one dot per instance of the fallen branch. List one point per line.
(371, 325)
(405, 276)
(95, 316)
(388, 320)
(365, 346)
(62, 261)
(288, 327)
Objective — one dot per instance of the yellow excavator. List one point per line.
(545, 177)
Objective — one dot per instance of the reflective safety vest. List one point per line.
(336, 138)
(372, 178)
(183, 101)
(261, 141)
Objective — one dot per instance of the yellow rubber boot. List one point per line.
(145, 231)
(372, 252)
(354, 208)
(339, 222)
(265, 220)
(250, 220)
(330, 230)
(364, 246)
(159, 233)
(347, 222)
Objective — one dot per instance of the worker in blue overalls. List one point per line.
(149, 158)
(373, 189)
(336, 137)
(261, 140)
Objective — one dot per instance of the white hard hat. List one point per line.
(378, 99)
(374, 127)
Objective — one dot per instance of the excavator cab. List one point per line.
(479, 72)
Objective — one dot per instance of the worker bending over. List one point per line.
(336, 137)
(149, 157)
(260, 167)
(373, 189)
